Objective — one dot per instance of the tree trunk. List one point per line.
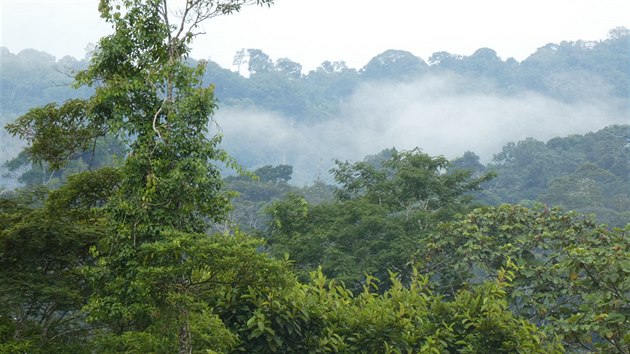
(185, 340)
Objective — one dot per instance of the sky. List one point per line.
(312, 31)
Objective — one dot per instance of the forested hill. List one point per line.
(569, 71)
(587, 173)
(274, 113)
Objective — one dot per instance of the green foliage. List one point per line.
(569, 71)
(120, 259)
(157, 270)
(408, 181)
(572, 275)
(375, 224)
(280, 173)
(588, 174)
(326, 317)
(57, 134)
(45, 239)
(580, 63)
(164, 286)
(154, 265)
(105, 151)
(254, 195)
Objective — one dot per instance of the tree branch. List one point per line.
(155, 117)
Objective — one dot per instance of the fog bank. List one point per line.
(440, 115)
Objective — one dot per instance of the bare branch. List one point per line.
(155, 117)
(189, 5)
(165, 16)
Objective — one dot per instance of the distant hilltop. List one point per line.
(566, 71)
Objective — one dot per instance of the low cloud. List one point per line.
(441, 115)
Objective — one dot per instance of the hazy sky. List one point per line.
(311, 31)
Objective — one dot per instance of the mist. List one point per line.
(446, 115)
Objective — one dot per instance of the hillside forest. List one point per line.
(153, 202)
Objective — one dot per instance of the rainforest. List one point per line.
(151, 202)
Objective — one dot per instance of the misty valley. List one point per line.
(153, 202)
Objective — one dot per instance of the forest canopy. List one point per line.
(123, 234)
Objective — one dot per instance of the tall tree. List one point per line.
(384, 207)
(155, 264)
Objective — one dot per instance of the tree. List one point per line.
(253, 194)
(276, 174)
(572, 276)
(239, 59)
(468, 162)
(445, 60)
(289, 68)
(259, 62)
(45, 240)
(394, 65)
(384, 206)
(408, 181)
(106, 151)
(155, 266)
